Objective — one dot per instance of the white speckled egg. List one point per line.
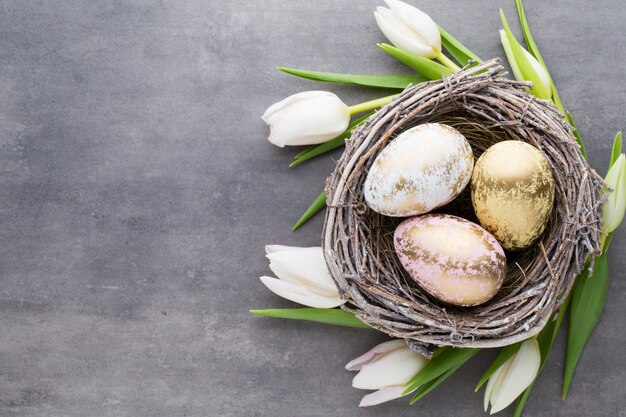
(422, 169)
(451, 258)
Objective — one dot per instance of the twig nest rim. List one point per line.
(358, 242)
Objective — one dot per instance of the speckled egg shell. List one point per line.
(451, 258)
(513, 193)
(422, 169)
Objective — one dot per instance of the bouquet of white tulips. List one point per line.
(324, 122)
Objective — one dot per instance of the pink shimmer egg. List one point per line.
(451, 258)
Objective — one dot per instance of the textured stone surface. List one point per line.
(137, 191)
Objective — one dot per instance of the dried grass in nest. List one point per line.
(358, 246)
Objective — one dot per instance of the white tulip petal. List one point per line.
(615, 206)
(616, 173)
(285, 275)
(486, 397)
(517, 72)
(381, 396)
(279, 248)
(421, 23)
(375, 352)
(495, 381)
(308, 122)
(288, 101)
(290, 254)
(303, 265)
(541, 86)
(299, 294)
(275, 248)
(401, 35)
(519, 376)
(393, 368)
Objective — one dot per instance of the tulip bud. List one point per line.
(513, 377)
(386, 368)
(409, 29)
(615, 206)
(302, 276)
(527, 68)
(306, 118)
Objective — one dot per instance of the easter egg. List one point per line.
(451, 258)
(513, 192)
(422, 169)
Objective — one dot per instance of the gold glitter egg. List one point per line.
(513, 192)
(451, 258)
(422, 169)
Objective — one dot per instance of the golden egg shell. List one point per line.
(451, 258)
(513, 192)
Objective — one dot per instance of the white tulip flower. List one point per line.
(513, 377)
(385, 368)
(409, 29)
(302, 276)
(524, 65)
(306, 118)
(615, 206)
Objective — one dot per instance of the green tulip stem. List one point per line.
(448, 62)
(370, 105)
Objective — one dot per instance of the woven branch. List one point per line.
(358, 242)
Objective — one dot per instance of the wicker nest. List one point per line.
(358, 242)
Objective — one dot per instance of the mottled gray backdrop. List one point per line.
(137, 191)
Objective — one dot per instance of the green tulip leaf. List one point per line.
(455, 48)
(316, 206)
(321, 315)
(528, 36)
(439, 365)
(426, 67)
(320, 149)
(508, 51)
(534, 51)
(399, 82)
(579, 139)
(505, 354)
(431, 385)
(588, 299)
(539, 89)
(328, 146)
(555, 96)
(617, 148)
(546, 337)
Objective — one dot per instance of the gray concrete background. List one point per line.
(137, 191)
